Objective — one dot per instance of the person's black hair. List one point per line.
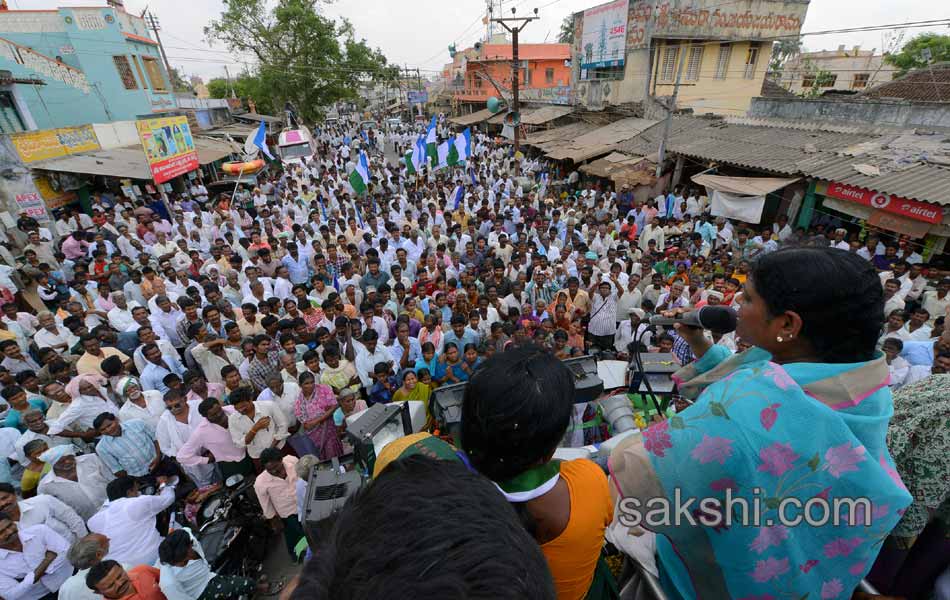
(111, 366)
(98, 572)
(516, 409)
(226, 369)
(119, 487)
(174, 548)
(101, 419)
(488, 556)
(269, 455)
(894, 342)
(206, 405)
(837, 294)
(10, 391)
(370, 335)
(24, 376)
(242, 394)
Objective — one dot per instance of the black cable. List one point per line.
(639, 365)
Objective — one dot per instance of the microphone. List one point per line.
(718, 319)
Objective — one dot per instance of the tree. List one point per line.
(910, 56)
(822, 79)
(179, 84)
(566, 35)
(303, 56)
(782, 51)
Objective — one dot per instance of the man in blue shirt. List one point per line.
(297, 267)
(460, 334)
(157, 367)
(128, 448)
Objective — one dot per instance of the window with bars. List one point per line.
(722, 61)
(808, 81)
(125, 72)
(751, 58)
(154, 72)
(694, 62)
(549, 76)
(668, 64)
(860, 80)
(138, 69)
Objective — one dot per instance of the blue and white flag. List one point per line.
(418, 158)
(457, 194)
(258, 141)
(543, 186)
(471, 174)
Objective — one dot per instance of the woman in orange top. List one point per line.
(516, 410)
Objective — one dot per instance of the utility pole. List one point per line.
(515, 63)
(419, 88)
(230, 86)
(670, 108)
(154, 26)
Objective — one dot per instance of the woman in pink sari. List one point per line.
(314, 409)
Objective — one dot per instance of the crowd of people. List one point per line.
(172, 344)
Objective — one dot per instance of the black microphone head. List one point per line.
(718, 319)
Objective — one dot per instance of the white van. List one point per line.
(294, 145)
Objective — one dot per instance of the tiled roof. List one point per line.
(525, 52)
(923, 85)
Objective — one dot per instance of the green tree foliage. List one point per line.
(179, 84)
(910, 58)
(783, 50)
(247, 86)
(302, 55)
(566, 34)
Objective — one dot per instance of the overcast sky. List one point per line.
(418, 33)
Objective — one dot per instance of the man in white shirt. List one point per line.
(371, 354)
(255, 425)
(42, 510)
(77, 481)
(28, 553)
(120, 316)
(128, 520)
(50, 335)
(892, 299)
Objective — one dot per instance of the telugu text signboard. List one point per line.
(54, 143)
(169, 147)
(604, 39)
(912, 209)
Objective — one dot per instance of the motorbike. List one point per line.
(232, 530)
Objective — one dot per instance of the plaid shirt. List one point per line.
(258, 371)
(335, 267)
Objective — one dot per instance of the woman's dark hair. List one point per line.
(516, 409)
(837, 294)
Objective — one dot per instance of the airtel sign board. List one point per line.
(912, 209)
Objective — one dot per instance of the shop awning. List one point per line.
(617, 166)
(551, 138)
(745, 186)
(211, 150)
(126, 162)
(238, 131)
(257, 118)
(599, 141)
(472, 119)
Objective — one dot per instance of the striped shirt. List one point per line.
(603, 315)
(132, 451)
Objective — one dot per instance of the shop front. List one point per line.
(892, 217)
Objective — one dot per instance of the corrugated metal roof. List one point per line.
(924, 182)
(545, 114)
(475, 117)
(601, 140)
(541, 139)
(211, 150)
(128, 161)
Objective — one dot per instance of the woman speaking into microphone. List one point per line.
(782, 457)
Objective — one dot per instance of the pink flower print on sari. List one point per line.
(891, 472)
(712, 449)
(843, 459)
(808, 566)
(777, 458)
(857, 568)
(831, 589)
(779, 377)
(656, 438)
(824, 494)
(841, 547)
(768, 537)
(768, 416)
(726, 483)
(769, 569)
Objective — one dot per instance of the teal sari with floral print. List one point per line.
(776, 437)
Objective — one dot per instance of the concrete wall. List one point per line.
(708, 22)
(72, 50)
(843, 63)
(878, 112)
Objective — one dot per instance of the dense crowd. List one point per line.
(170, 345)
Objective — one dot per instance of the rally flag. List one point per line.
(542, 189)
(463, 145)
(442, 155)
(359, 178)
(471, 174)
(419, 154)
(256, 142)
(452, 156)
(432, 142)
(410, 168)
(457, 195)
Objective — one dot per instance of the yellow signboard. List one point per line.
(54, 143)
(52, 198)
(169, 147)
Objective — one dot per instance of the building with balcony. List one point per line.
(844, 69)
(626, 51)
(476, 74)
(76, 65)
